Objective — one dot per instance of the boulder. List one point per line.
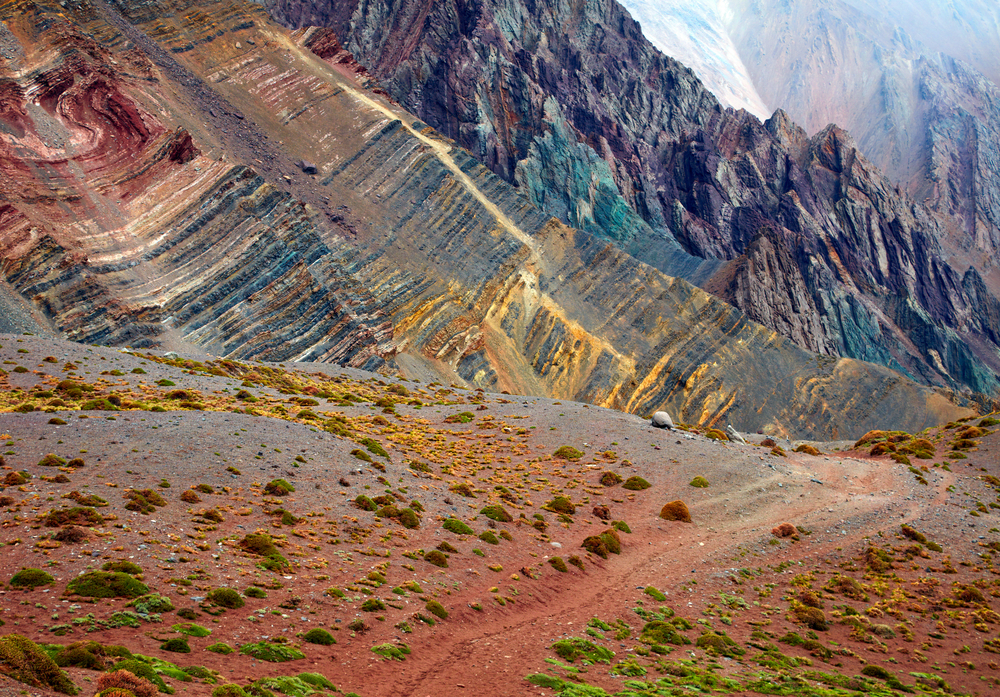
(661, 419)
(308, 167)
(602, 512)
(733, 435)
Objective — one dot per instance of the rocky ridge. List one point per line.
(401, 253)
(550, 97)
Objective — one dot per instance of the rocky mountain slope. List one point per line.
(231, 528)
(913, 82)
(571, 103)
(159, 191)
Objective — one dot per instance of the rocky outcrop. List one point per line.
(401, 252)
(565, 99)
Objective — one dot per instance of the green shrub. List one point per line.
(812, 617)
(122, 565)
(30, 578)
(78, 515)
(699, 482)
(655, 594)
(278, 487)
(372, 605)
(560, 504)
(437, 558)
(612, 541)
(319, 636)
(574, 648)
(260, 544)
(192, 629)
(462, 417)
(397, 652)
(497, 513)
(176, 645)
(229, 690)
(488, 537)
(317, 680)
(437, 609)
(151, 603)
(374, 447)
(24, 661)
(81, 654)
(104, 584)
(220, 647)
(610, 478)
(595, 545)
(141, 669)
(127, 618)
(408, 519)
(226, 597)
(874, 671)
(457, 526)
(676, 510)
(361, 455)
(567, 452)
(636, 483)
(365, 503)
(558, 564)
(255, 592)
(717, 644)
(51, 460)
(661, 632)
(273, 653)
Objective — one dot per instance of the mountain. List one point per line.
(177, 178)
(913, 82)
(570, 102)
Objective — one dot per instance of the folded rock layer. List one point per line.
(154, 195)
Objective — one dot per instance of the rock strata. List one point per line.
(804, 235)
(403, 252)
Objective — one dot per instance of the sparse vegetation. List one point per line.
(23, 660)
(104, 584)
(30, 578)
(271, 652)
(636, 483)
(676, 510)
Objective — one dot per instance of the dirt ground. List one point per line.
(912, 611)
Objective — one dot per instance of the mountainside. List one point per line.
(156, 165)
(570, 102)
(913, 82)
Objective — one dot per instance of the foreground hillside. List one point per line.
(298, 528)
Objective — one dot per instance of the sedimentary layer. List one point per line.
(269, 205)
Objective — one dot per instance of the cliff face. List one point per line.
(564, 98)
(176, 174)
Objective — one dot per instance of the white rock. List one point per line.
(661, 419)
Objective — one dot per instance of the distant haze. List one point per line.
(754, 54)
(882, 69)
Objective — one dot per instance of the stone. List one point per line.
(308, 167)
(661, 419)
(734, 435)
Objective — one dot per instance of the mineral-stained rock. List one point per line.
(568, 100)
(202, 230)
